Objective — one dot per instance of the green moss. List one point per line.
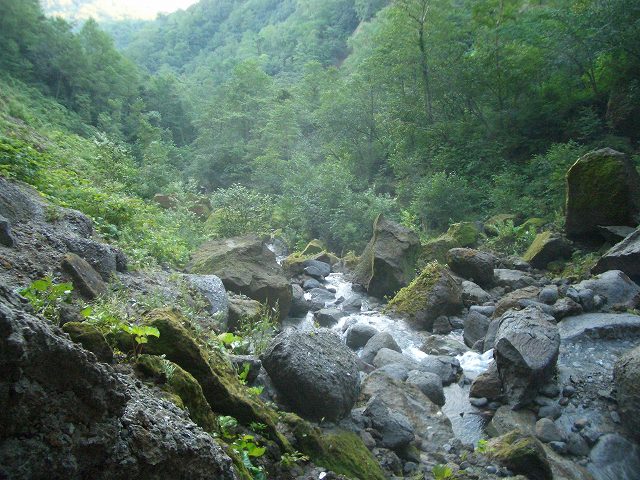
(313, 247)
(522, 454)
(465, 233)
(436, 249)
(90, 338)
(412, 299)
(537, 245)
(535, 222)
(339, 451)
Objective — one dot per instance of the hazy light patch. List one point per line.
(114, 9)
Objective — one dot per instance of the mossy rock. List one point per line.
(435, 250)
(522, 454)
(313, 247)
(545, 248)
(465, 233)
(535, 223)
(433, 293)
(181, 384)
(490, 225)
(294, 263)
(90, 338)
(219, 381)
(339, 451)
(603, 188)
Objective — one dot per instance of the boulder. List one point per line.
(512, 279)
(627, 381)
(212, 288)
(549, 294)
(526, 350)
(87, 420)
(465, 234)
(90, 338)
(614, 457)
(443, 345)
(359, 334)
(473, 294)
(624, 257)
(547, 431)
(616, 287)
(327, 317)
(241, 308)
(506, 419)
(475, 328)
(615, 233)
(446, 367)
(245, 265)
(513, 299)
(487, 385)
(322, 369)
(6, 238)
(603, 188)
(547, 247)
(566, 307)
(388, 262)
(105, 259)
(428, 383)
(433, 293)
(522, 454)
(311, 284)
(393, 428)
(472, 265)
(84, 277)
(599, 326)
(377, 342)
(299, 305)
(323, 269)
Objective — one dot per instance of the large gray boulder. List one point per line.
(624, 256)
(615, 286)
(245, 265)
(359, 334)
(599, 326)
(376, 343)
(472, 265)
(475, 328)
(388, 262)
(627, 380)
(212, 288)
(314, 371)
(512, 279)
(87, 420)
(526, 350)
(394, 429)
(603, 188)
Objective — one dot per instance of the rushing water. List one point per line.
(467, 421)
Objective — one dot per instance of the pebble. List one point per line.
(568, 391)
(564, 401)
(491, 469)
(550, 390)
(615, 416)
(550, 411)
(479, 402)
(581, 423)
(559, 447)
(494, 405)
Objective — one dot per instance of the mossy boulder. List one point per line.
(338, 450)
(535, 223)
(492, 224)
(435, 250)
(313, 247)
(245, 265)
(466, 234)
(90, 338)
(603, 188)
(219, 381)
(179, 383)
(295, 263)
(433, 293)
(522, 454)
(547, 247)
(389, 260)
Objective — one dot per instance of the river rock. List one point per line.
(245, 265)
(388, 262)
(443, 345)
(241, 308)
(614, 457)
(472, 265)
(299, 304)
(522, 454)
(475, 328)
(615, 286)
(359, 334)
(322, 369)
(447, 368)
(327, 317)
(90, 338)
(212, 288)
(506, 420)
(513, 299)
(624, 256)
(91, 421)
(376, 343)
(428, 383)
(487, 385)
(393, 428)
(566, 307)
(85, 278)
(433, 293)
(473, 294)
(547, 247)
(547, 431)
(603, 188)
(526, 349)
(6, 238)
(512, 279)
(323, 268)
(549, 294)
(351, 305)
(627, 381)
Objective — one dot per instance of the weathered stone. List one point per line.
(547, 247)
(475, 328)
(299, 304)
(212, 288)
(359, 334)
(566, 307)
(90, 338)
(428, 383)
(85, 278)
(245, 265)
(393, 427)
(322, 369)
(473, 294)
(513, 299)
(600, 325)
(433, 293)
(242, 308)
(522, 454)
(614, 457)
(615, 286)
(627, 381)
(472, 265)
(624, 256)
(328, 317)
(546, 431)
(603, 188)
(487, 384)
(549, 294)
(105, 259)
(512, 279)
(526, 349)
(388, 262)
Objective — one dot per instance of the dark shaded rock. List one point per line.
(311, 284)
(599, 325)
(603, 188)
(506, 420)
(473, 294)
(522, 454)
(299, 304)
(614, 457)
(323, 370)
(359, 334)
(513, 299)
(475, 328)
(6, 238)
(512, 279)
(388, 262)
(526, 350)
(242, 362)
(552, 411)
(490, 337)
(433, 293)
(624, 256)
(547, 247)
(90, 338)
(615, 286)
(245, 265)
(627, 381)
(487, 384)
(328, 317)
(396, 371)
(566, 307)
(473, 265)
(322, 268)
(546, 431)
(447, 368)
(549, 294)
(393, 427)
(105, 259)
(442, 345)
(85, 278)
(576, 445)
(212, 288)
(379, 341)
(442, 326)
(351, 305)
(241, 308)
(428, 383)
(615, 234)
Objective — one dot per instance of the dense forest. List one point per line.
(307, 118)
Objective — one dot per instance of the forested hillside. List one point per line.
(318, 115)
